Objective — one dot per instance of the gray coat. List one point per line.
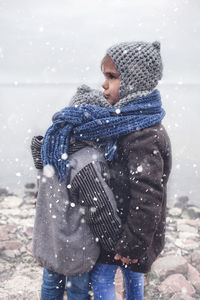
(62, 239)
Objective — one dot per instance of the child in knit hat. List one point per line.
(125, 123)
(140, 173)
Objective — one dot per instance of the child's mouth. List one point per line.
(106, 96)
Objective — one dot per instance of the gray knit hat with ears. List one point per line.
(87, 96)
(139, 65)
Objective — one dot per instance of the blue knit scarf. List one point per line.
(100, 125)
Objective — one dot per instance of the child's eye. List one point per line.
(111, 76)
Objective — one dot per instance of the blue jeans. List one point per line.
(102, 277)
(53, 286)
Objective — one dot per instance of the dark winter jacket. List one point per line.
(139, 181)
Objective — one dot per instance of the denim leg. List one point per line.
(102, 277)
(134, 283)
(78, 287)
(53, 285)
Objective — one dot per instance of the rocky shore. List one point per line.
(175, 275)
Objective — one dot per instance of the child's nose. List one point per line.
(105, 85)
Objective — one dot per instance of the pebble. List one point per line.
(181, 296)
(11, 202)
(187, 244)
(176, 283)
(186, 228)
(175, 212)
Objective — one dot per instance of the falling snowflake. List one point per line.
(93, 209)
(118, 111)
(48, 171)
(86, 114)
(41, 29)
(139, 169)
(82, 210)
(69, 284)
(94, 156)
(64, 156)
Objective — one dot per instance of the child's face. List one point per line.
(112, 81)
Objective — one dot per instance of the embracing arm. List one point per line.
(101, 211)
(36, 145)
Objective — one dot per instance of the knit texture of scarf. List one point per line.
(98, 124)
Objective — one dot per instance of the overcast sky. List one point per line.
(64, 41)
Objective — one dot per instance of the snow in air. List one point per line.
(48, 171)
(139, 169)
(64, 156)
(118, 111)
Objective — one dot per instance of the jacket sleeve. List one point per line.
(146, 171)
(36, 144)
(101, 211)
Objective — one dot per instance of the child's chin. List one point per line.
(112, 101)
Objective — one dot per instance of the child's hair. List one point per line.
(139, 65)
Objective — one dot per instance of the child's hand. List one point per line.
(125, 260)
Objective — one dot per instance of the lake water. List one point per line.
(26, 111)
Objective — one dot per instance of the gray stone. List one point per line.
(169, 264)
(26, 285)
(186, 228)
(10, 245)
(29, 232)
(11, 202)
(7, 232)
(194, 277)
(180, 296)
(170, 220)
(191, 222)
(5, 267)
(195, 258)
(11, 253)
(30, 185)
(185, 214)
(176, 283)
(189, 235)
(194, 212)
(3, 192)
(175, 211)
(187, 244)
(182, 202)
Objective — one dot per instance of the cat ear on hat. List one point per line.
(156, 44)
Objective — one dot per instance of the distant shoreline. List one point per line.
(16, 84)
